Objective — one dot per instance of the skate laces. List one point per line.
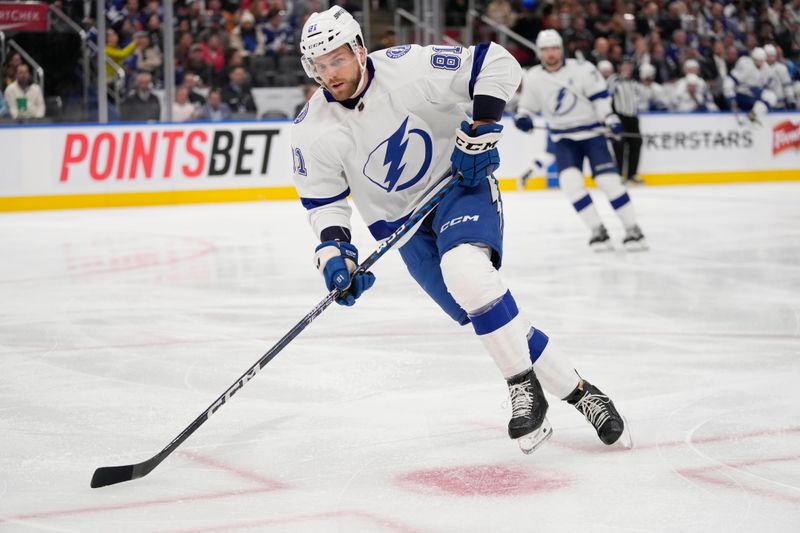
(593, 407)
(521, 399)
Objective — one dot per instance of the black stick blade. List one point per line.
(110, 475)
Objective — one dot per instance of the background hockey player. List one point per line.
(573, 97)
(746, 87)
(782, 84)
(691, 93)
(384, 128)
(655, 97)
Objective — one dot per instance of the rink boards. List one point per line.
(76, 166)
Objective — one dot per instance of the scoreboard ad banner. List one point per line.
(89, 165)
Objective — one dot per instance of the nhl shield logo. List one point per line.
(401, 160)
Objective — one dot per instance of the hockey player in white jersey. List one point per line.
(655, 97)
(782, 84)
(573, 97)
(746, 87)
(383, 128)
(691, 93)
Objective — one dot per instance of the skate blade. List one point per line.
(626, 439)
(530, 442)
(602, 248)
(640, 246)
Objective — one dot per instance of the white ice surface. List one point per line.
(119, 327)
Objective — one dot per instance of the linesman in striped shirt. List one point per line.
(627, 98)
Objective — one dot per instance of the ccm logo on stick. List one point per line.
(459, 220)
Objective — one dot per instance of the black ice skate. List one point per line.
(599, 240)
(600, 412)
(634, 240)
(528, 425)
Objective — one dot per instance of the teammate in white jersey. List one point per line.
(384, 128)
(746, 86)
(784, 91)
(573, 97)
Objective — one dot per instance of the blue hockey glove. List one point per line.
(336, 261)
(523, 122)
(475, 156)
(613, 124)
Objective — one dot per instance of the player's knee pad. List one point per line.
(470, 276)
(572, 183)
(612, 187)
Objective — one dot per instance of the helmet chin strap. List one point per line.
(363, 67)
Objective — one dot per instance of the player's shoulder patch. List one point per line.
(396, 52)
(302, 114)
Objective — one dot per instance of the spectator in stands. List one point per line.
(196, 65)
(215, 109)
(24, 98)
(182, 108)
(214, 55)
(153, 7)
(153, 27)
(182, 48)
(237, 92)
(666, 69)
(279, 35)
(647, 21)
(578, 38)
(146, 57)
(600, 51)
(501, 12)
(190, 82)
(215, 19)
(10, 69)
(130, 13)
(115, 53)
(246, 38)
(141, 104)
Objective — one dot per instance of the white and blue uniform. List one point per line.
(575, 102)
(390, 147)
(748, 85)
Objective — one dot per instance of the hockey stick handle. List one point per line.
(104, 476)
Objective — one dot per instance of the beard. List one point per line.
(346, 90)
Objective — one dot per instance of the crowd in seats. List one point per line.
(678, 49)
(228, 45)
(685, 47)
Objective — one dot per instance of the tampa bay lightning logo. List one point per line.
(394, 165)
(397, 51)
(564, 102)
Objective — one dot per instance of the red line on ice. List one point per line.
(265, 484)
(238, 472)
(373, 519)
(706, 474)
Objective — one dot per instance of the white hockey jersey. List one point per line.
(745, 78)
(685, 102)
(397, 141)
(574, 100)
(781, 85)
(655, 98)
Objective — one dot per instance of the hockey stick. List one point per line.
(109, 475)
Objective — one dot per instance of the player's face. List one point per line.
(340, 72)
(550, 57)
